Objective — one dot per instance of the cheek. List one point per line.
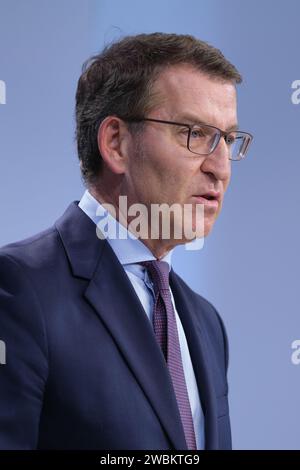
(177, 181)
(162, 174)
(226, 183)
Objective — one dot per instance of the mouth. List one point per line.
(209, 199)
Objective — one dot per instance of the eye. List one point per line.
(230, 139)
(197, 132)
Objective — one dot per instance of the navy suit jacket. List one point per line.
(83, 368)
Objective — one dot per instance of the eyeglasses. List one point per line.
(203, 139)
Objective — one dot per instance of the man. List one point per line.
(101, 352)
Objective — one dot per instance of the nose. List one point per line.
(218, 162)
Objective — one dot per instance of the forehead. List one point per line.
(184, 91)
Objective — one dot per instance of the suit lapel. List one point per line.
(113, 297)
(194, 329)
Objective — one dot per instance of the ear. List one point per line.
(113, 143)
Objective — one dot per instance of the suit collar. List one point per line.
(78, 234)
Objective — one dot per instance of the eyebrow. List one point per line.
(190, 119)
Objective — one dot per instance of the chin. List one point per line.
(208, 227)
(204, 229)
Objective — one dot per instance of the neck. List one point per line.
(158, 247)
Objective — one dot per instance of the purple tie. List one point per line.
(166, 333)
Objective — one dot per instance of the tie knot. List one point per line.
(159, 273)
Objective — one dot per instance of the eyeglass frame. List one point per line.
(191, 126)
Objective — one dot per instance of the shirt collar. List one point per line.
(129, 249)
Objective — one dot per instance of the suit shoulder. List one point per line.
(32, 251)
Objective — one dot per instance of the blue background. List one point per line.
(249, 267)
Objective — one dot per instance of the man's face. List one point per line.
(164, 170)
